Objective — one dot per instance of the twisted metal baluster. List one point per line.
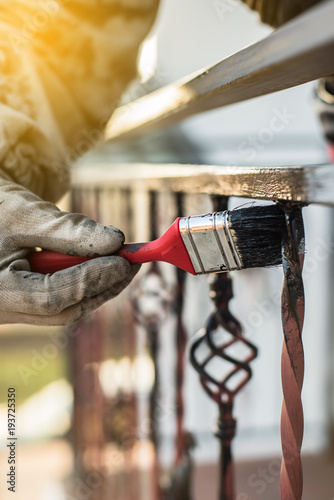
(223, 391)
(292, 421)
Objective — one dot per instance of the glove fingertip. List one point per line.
(116, 236)
(117, 233)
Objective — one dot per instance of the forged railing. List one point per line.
(299, 52)
(100, 194)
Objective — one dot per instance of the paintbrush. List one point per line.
(217, 242)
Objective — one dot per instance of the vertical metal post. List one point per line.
(292, 421)
(181, 340)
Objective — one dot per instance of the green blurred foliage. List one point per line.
(25, 364)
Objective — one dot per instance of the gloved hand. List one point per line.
(277, 12)
(26, 222)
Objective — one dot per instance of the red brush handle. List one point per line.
(168, 248)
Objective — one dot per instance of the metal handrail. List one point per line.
(298, 52)
(301, 184)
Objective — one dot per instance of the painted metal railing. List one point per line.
(296, 53)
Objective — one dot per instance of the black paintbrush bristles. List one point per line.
(258, 233)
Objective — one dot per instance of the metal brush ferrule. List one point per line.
(209, 242)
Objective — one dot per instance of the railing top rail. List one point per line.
(298, 52)
(302, 184)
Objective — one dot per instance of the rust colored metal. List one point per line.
(223, 390)
(292, 421)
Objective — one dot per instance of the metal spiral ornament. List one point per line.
(223, 389)
(292, 420)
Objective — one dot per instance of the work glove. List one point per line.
(277, 12)
(26, 222)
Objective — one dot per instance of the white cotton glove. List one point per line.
(26, 222)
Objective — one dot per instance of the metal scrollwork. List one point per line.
(222, 389)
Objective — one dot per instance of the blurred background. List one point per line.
(99, 405)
